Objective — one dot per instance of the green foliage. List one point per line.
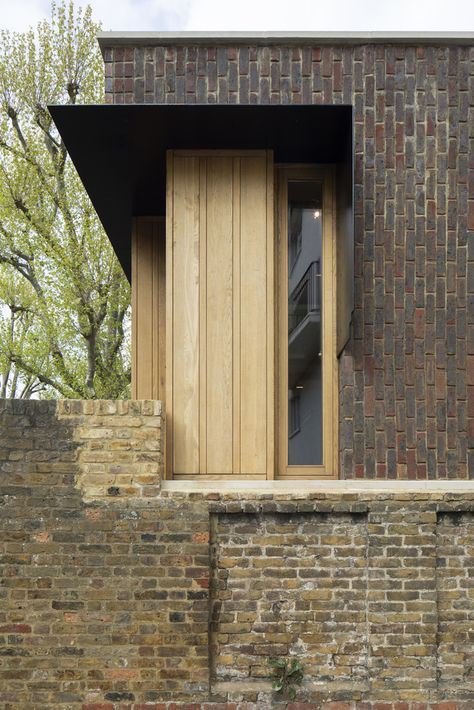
(287, 674)
(64, 300)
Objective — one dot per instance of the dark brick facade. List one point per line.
(407, 375)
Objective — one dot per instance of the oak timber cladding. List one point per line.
(148, 305)
(220, 271)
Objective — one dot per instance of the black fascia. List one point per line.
(119, 151)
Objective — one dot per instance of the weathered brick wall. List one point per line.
(371, 592)
(105, 603)
(100, 604)
(119, 446)
(290, 584)
(406, 375)
(455, 578)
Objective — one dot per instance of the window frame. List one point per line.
(294, 416)
(329, 467)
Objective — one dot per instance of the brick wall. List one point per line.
(407, 372)
(100, 604)
(105, 602)
(455, 595)
(290, 584)
(118, 446)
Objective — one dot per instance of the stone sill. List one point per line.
(299, 488)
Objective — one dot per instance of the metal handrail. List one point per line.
(306, 296)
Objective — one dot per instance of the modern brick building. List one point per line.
(296, 215)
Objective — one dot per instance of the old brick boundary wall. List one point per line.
(117, 595)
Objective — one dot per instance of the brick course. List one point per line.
(105, 602)
(455, 588)
(119, 446)
(407, 375)
(290, 584)
(100, 604)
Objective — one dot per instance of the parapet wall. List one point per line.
(144, 597)
(118, 446)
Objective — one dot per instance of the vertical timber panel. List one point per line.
(219, 302)
(220, 347)
(148, 308)
(159, 322)
(236, 271)
(202, 315)
(254, 314)
(271, 316)
(185, 314)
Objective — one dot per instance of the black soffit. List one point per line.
(120, 151)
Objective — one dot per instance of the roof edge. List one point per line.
(117, 39)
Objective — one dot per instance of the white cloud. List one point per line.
(258, 15)
(19, 16)
(148, 15)
(118, 15)
(342, 15)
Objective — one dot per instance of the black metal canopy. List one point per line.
(120, 151)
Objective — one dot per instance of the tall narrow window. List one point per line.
(304, 320)
(307, 379)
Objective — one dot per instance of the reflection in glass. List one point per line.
(304, 323)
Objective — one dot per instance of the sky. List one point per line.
(257, 15)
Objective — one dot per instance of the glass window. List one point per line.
(305, 216)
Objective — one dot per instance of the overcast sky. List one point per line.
(258, 15)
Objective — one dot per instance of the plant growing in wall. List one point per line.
(287, 673)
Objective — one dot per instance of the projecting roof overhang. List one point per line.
(120, 151)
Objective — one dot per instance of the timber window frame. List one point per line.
(325, 175)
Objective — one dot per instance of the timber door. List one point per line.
(220, 315)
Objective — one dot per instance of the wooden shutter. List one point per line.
(220, 314)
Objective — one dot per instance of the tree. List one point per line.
(18, 334)
(64, 300)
